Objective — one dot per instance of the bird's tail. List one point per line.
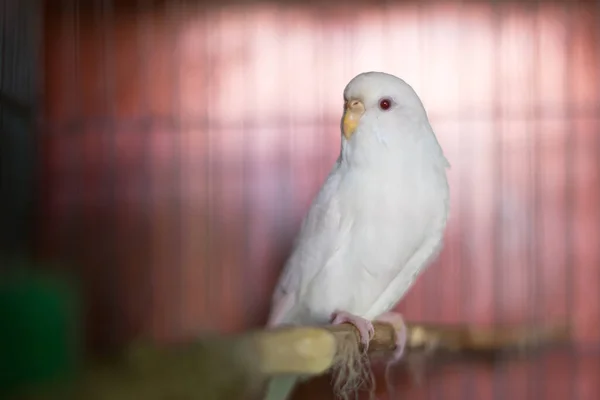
(281, 387)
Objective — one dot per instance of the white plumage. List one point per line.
(380, 216)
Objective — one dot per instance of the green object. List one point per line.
(281, 387)
(217, 368)
(38, 329)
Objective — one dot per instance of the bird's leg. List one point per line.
(364, 326)
(396, 320)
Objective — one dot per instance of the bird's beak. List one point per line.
(354, 110)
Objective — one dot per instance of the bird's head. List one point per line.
(380, 108)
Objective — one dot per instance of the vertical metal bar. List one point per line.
(176, 16)
(535, 387)
(597, 121)
(208, 266)
(34, 82)
(3, 18)
(430, 305)
(321, 137)
(421, 29)
(3, 58)
(569, 145)
(3, 55)
(285, 160)
(287, 124)
(498, 257)
(146, 129)
(249, 163)
(107, 12)
(252, 127)
(349, 46)
(9, 51)
(13, 46)
(7, 243)
(219, 293)
(465, 146)
(105, 18)
(72, 36)
(39, 125)
(175, 323)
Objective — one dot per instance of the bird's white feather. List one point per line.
(378, 219)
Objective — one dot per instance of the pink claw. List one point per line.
(364, 326)
(396, 319)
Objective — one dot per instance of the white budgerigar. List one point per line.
(378, 220)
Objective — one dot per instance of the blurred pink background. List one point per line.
(184, 142)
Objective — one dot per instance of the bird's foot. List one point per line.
(364, 326)
(397, 321)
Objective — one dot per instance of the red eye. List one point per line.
(385, 104)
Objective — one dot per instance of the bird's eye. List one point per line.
(385, 104)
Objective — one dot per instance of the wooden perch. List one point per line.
(459, 339)
(312, 350)
(230, 367)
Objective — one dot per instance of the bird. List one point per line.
(376, 223)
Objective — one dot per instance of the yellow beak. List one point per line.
(354, 110)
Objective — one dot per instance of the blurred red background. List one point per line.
(184, 141)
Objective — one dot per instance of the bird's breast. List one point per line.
(384, 218)
(389, 221)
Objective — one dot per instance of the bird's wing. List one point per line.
(401, 283)
(321, 233)
(431, 238)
